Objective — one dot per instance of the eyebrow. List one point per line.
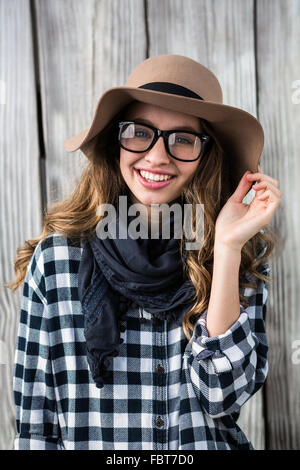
(146, 121)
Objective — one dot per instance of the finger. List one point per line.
(266, 184)
(271, 203)
(242, 188)
(269, 193)
(261, 177)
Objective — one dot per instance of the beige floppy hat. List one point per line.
(181, 84)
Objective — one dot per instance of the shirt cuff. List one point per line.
(228, 350)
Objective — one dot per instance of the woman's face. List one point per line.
(157, 157)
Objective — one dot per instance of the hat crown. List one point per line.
(179, 70)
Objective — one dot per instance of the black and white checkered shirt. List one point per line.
(166, 393)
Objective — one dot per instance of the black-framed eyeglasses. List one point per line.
(186, 146)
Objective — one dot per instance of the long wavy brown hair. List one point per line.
(101, 181)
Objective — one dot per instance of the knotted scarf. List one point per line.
(115, 272)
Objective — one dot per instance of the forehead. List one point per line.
(155, 113)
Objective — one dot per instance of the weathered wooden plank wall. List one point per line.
(67, 53)
(20, 215)
(278, 67)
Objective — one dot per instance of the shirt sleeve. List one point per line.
(228, 369)
(33, 387)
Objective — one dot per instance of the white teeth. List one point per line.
(154, 177)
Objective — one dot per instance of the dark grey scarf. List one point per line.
(116, 272)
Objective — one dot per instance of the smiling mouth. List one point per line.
(153, 177)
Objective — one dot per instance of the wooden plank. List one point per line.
(85, 47)
(278, 60)
(20, 184)
(220, 35)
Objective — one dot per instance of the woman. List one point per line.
(144, 343)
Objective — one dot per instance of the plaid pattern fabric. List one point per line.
(165, 393)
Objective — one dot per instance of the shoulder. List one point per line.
(55, 259)
(56, 251)
(58, 247)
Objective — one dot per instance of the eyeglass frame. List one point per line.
(204, 139)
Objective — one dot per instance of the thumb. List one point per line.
(242, 188)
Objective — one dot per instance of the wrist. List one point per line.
(221, 247)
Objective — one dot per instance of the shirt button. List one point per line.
(122, 328)
(159, 369)
(121, 340)
(159, 422)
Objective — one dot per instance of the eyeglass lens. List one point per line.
(182, 145)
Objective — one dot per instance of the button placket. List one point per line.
(122, 329)
(123, 307)
(160, 388)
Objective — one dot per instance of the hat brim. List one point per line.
(238, 131)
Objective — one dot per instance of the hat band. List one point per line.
(173, 88)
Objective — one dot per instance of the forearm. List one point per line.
(224, 304)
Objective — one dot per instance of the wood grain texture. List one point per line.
(278, 61)
(85, 47)
(20, 181)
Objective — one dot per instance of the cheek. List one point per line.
(122, 158)
(121, 162)
(187, 170)
(126, 162)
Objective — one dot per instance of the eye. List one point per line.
(141, 133)
(183, 140)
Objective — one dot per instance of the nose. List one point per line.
(158, 153)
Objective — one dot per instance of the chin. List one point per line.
(149, 200)
(157, 200)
